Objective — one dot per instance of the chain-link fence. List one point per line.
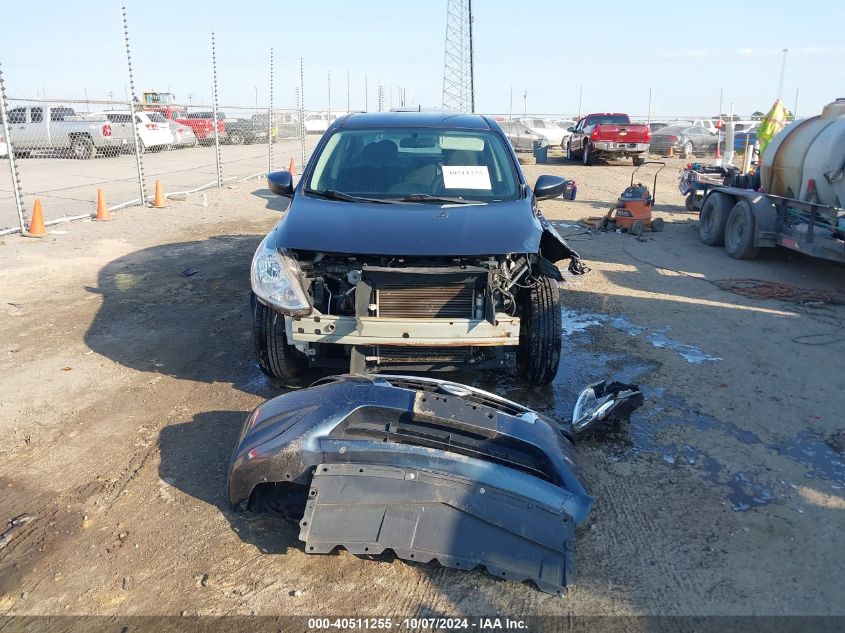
(64, 150)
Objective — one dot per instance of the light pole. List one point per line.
(782, 71)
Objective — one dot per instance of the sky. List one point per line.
(544, 53)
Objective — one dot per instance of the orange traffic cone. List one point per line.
(292, 168)
(671, 151)
(103, 213)
(36, 225)
(158, 202)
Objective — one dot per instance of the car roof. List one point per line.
(415, 119)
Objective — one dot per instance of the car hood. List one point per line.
(413, 229)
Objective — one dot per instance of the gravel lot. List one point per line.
(127, 370)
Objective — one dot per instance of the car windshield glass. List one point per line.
(609, 119)
(398, 162)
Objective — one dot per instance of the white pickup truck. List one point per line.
(35, 128)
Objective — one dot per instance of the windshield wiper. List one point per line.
(424, 197)
(331, 194)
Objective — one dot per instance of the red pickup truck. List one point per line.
(201, 123)
(609, 135)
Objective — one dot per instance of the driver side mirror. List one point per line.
(280, 183)
(571, 128)
(549, 187)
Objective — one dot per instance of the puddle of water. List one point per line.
(746, 493)
(689, 353)
(823, 456)
(575, 321)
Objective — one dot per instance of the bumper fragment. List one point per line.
(428, 468)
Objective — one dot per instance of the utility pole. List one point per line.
(525, 103)
(648, 117)
(782, 72)
(795, 109)
(580, 94)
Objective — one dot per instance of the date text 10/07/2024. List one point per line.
(414, 624)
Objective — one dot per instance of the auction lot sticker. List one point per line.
(466, 177)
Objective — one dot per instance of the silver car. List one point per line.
(521, 137)
(183, 136)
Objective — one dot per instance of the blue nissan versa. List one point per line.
(411, 241)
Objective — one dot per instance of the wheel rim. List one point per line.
(237, 139)
(78, 150)
(688, 149)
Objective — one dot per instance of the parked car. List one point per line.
(547, 128)
(684, 139)
(245, 131)
(609, 135)
(318, 123)
(656, 125)
(522, 138)
(33, 128)
(183, 136)
(202, 125)
(153, 129)
(412, 240)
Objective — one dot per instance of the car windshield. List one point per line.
(609, 119)
(392, 163)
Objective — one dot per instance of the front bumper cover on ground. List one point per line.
(427, 468)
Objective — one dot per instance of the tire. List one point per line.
(569, 155)
(711, 220)
(688, 149)
(636, 228)
(276, 358)
(657, 225)
(237, 138)
(141, 147)
(739, 232)
(82, 148)
(639, 160)
(540, 331)
(587, 155)
(689, 203)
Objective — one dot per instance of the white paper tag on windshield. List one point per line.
(466, 177)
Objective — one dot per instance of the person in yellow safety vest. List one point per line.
(771, 124)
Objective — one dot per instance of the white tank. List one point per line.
(809, 149)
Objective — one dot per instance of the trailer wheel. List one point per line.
(276, 357)
(540, 331)
(711, 220)
(739, 232)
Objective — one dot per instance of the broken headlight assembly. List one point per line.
(604, 401)
(275, 278)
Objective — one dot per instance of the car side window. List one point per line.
(18, 115)
(36, 115)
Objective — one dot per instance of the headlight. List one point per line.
(275, 280)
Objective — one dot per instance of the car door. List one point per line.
(575, 139)
(37, 129)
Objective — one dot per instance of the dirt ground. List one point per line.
(127, 371)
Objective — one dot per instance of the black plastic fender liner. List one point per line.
(424, 515)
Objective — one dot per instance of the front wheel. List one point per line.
(276, 357)
(688, 149)
(569, 155)
(711, 219)
(236, 138)
(540, 330)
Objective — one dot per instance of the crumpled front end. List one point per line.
(427, 468)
